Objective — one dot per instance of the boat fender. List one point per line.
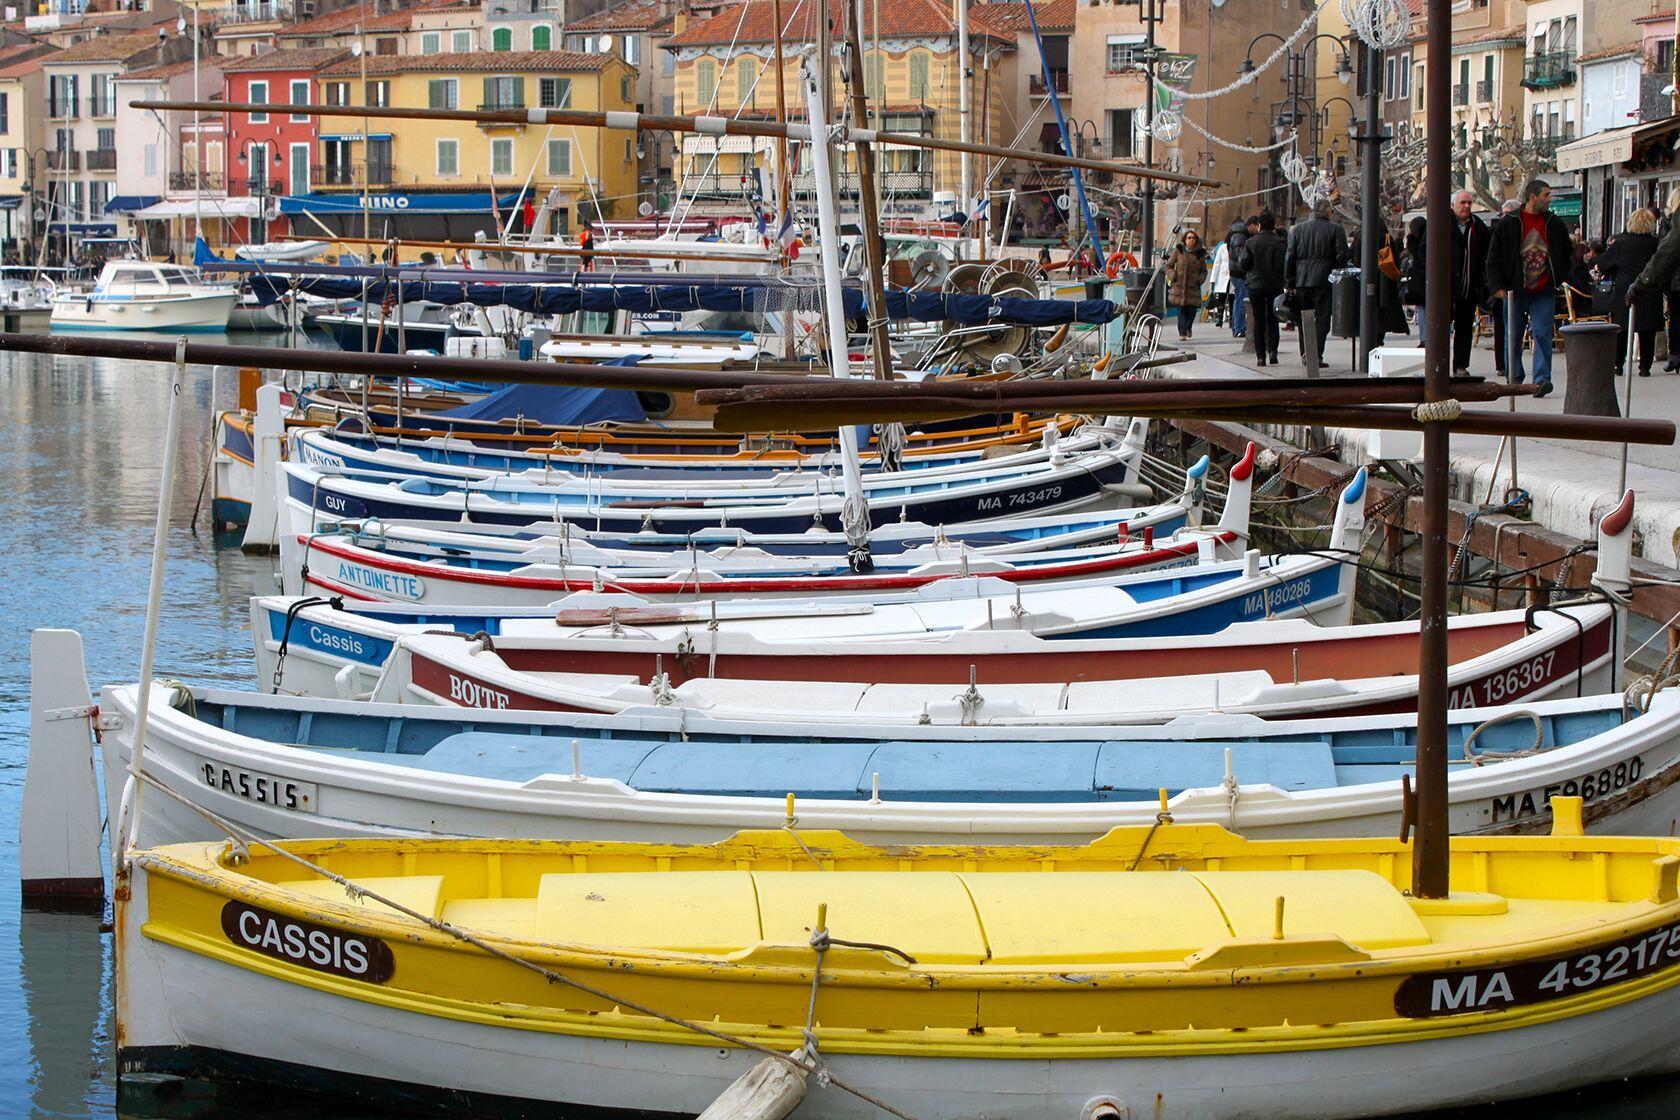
(1105, 1108)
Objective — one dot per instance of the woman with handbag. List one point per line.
(1621, 264)
(1391, 310)
(1187, 270)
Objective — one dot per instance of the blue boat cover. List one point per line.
(558, 405)
(558, 299)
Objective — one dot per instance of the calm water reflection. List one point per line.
(81, 447)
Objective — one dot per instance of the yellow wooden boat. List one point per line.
(1171, 971)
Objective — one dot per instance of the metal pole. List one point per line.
(880, 348)
(1627, 395)
(1370, 216)
(964, 185)
(1147, 257)
(129, 823)
(1430, 849)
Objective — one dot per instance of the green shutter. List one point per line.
(434, 95)
(540, 38)
(501, 39)
(489, 92)
(518, 93)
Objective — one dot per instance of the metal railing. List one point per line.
(63, 160)
(1460, 95)
(1549, 70)
(102, 159)
(102, 106)
(1484, 91)
(62, 110)
(257, 11)
(191, 180)
(1036, 86)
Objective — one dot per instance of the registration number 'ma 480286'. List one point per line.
(1432, 994)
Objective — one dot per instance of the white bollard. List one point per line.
(768, 1091)
(59, 822)
(268, 441)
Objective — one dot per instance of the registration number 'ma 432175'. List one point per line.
(1432, 994)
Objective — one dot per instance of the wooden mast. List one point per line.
(873, 248)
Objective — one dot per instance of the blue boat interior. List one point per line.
(845, 769)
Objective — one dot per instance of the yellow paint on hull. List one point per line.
(1016, 953)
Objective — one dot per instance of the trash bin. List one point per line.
(1344, 302)
(1137, 279)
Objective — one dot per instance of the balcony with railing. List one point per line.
(1549, 70)
(101, 159)
(1484, 92)
(1058, 80)
(1460, 95)
(380, 173)
(63, 159)
(257, 11)
(101, 106)
(62, 109)
(1548, 145)
(193, 180)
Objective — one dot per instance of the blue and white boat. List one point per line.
(135, 295)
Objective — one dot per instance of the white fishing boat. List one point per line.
(135, 295)
(26, 295)
(1298, 978)
(292, 251)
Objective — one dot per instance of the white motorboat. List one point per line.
(136, 295)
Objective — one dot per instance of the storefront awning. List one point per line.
(10, 201)
(85, 229)
(1611, 147)
(468, 202)
(726, 145)
(206, 207)
(126, 203)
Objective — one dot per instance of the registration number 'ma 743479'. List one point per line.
(1432, 994)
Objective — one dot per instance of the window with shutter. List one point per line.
(542, 38)
(501, 157)
(919, 76)
(705, 81)
(448, 158)
(556, 93)
(559, 157)
(501, 39)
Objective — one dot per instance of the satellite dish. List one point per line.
(355, 50)
(181, 23)
(929, 269)
(606, 43)
(1063, 202)
(645, 209)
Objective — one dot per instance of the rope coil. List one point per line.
(1438, 412)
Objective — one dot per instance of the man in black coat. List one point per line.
(1317, 247)
(1470, 239)
(1265, 253)
(1530, 254)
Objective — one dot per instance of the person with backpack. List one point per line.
(1237, 251)
(1265, 253)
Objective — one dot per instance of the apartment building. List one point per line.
(725, 65)
(78, 163)
(22, 132)
(449, 179)
(636, 31)
(272, 154)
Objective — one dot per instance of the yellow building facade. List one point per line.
(582, 169)
(725, 66)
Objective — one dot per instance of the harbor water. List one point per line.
(81, 447)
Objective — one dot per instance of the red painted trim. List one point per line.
(340, 589)
(1097, 566)
(1615, 522)
(1245, 466)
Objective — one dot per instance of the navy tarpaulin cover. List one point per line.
(555, 299)
(555, 405)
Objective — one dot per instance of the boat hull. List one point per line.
(186, 313)
(269, 1023)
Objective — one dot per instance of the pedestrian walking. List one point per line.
(1219, 284)
(1671, 291)
(1317, 247)
(1529, 255)
(1627, 255)
(1264, 254)
(1187, 271)
(1234, 243)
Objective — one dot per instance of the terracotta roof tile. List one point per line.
(473, 62)
(1010, 16)
(298, 58)
(345, 19)
(107, 48)
(18, 61)
(632, 15)
(1635, 47)
(753, 21)
(167, 70)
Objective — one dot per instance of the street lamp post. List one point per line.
(1295, 79)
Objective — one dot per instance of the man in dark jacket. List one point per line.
(1530, 255)
(1317, 247)
(1661, 273)
(1470, 239)
(1265, 252)
(1237, 261)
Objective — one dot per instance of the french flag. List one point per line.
(788, 235)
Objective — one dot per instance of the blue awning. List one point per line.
(469, 202)
(129, 203)
(10, 201)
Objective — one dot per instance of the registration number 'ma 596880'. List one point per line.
(1432, 994)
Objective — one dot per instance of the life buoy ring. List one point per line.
(1117, 261)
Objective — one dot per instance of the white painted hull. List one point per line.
(369, 798)
(168, 998)
(204, 312)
